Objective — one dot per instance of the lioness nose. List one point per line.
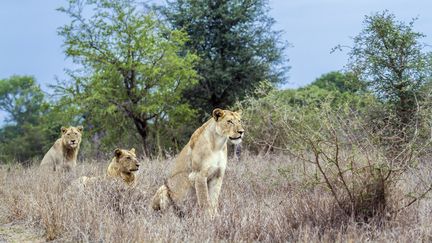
(73, 141)
(137, 165)
(241, 132)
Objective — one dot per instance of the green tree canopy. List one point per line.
(21, 138)
(133, 69)
(389, 56)
(236, 44)
(22, 99)
(338, 81)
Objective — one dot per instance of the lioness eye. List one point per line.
(230, 121)
(128, 157)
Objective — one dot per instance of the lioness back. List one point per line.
(63, 154)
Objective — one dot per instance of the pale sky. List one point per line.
(314, 27)
(29, 44)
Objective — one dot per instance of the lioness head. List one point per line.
(228, 124)
(127, 160)
(71, 136)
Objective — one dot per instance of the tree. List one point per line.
(236, 44)
(23, 101)
(133, 68)
(389, 56)
(338, 81)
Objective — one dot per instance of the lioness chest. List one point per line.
(214, 165)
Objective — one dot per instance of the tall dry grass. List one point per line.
(266, 198)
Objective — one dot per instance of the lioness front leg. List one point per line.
(215, 186)
(202, 191)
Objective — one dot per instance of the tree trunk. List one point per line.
(406, 111)
(142, 127)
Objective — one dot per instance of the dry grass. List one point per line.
(262, 199)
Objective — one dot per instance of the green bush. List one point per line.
(344, 135)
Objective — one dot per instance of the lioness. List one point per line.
(200, 166)
(124, 165)
(63, 154)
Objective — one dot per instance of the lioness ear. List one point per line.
(63, 130)
(132, 150)
(218, 113)
(117, 152)
(80, 128)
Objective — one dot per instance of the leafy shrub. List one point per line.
(353, 151)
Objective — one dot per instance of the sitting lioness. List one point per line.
(200, 166)
(63, 154)
(124, 165)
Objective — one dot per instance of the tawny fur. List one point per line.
(124, 166)
(63, 154)
(200, 166)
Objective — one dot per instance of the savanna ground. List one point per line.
(264, 198)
